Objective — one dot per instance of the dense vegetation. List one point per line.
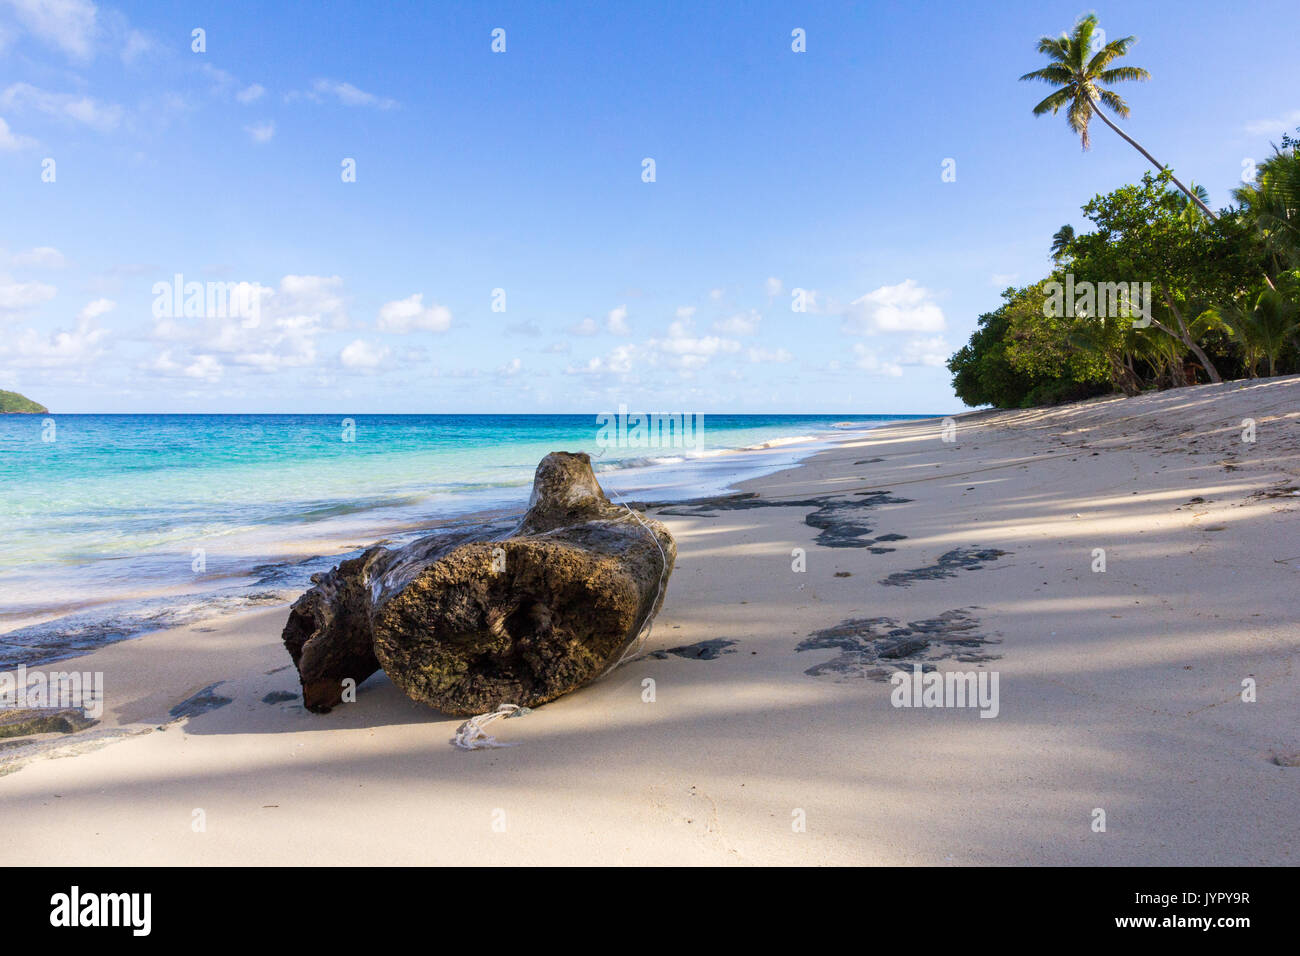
(13, 402)
(1162, 291)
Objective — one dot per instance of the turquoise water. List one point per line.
(115, 524)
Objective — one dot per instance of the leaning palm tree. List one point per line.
(1079, 75)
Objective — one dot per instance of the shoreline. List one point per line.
(1119, 690)
(284, 564)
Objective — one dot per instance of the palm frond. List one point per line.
(1122, 73)
(1055, 73)
(1053, 102)
(1113, 101)
(1057, 48)
(1111, 51)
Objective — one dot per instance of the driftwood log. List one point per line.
(466, 625)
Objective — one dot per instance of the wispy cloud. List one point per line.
(261, 132)
(19, 297)
(42, 257)
(11, 142)
(343, 93)
(1285, 123)
(69, 25)
(103, 117)
(412, 315)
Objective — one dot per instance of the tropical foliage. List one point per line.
(1159, 291)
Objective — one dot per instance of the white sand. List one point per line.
(1118, 690)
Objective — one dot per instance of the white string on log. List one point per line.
(470, 735)
(643, 632)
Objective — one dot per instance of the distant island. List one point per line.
(12, 403)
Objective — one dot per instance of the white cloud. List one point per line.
(1285, 123)
(765, 355)
(683, 349)
(103, 117)
(410, 314)
(1000, 280)
(511, 368)
(362, 354)
(69, 25)
(587, 326)
(742, 323)
(317, 297)
(906, 307)
(773, 286)
(205, 367)
(932, 352)
(619, 362)
(344, 93)
(616, 321)
(11, 142)
(680, 349)
(75, 349)
(869, 361)
(289, 321)
(93, 310)
(222, 81)
(685, 312)
(42, 257)
(261, 132)
(16, 297)
(250, 93)
(135, 44)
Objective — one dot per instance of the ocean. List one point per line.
(114, 525)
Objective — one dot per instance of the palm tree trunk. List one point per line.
(1096, 108)
(1186, 337)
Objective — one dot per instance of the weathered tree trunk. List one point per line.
(1185, 336)
(329, 633)
(468, 625)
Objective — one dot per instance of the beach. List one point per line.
(968, 544)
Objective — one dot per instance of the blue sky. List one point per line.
(523, 171)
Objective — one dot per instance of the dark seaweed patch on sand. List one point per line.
(202, 702)
(842, 522)
(29, 721)
(959, 559)
(279, 697)
(876, 647)
(703, 651)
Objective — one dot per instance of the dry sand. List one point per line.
(1118, 690)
